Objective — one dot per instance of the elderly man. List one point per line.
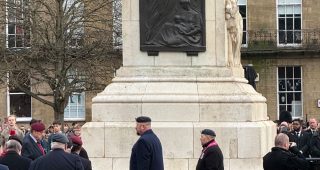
(31, 147)
(58, 159)
(211, 157)
(11, 130)
(12, 157)
(147, 151)
(280, 158)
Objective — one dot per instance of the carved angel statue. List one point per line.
(234, 28)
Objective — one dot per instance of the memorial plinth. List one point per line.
(183, 95)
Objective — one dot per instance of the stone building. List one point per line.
(16, 35)
(281, 41)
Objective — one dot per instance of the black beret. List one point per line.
(208, 132)
(143, 119)
(59, 137)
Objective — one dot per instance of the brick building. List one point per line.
(281, 41)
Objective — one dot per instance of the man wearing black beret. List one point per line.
(147, 151)
(211, 157)
(57, 159)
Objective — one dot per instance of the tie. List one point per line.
(41, 148)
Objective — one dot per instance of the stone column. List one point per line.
(182, 95)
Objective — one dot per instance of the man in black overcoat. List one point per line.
(211, 157)
(147, 151)
(280, 158)
(57, 159)
(12, 157)
(76, 146)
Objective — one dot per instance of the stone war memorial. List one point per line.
(181, 67)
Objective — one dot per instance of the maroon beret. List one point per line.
(39, 127)
(76, 140)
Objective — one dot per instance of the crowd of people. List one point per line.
(39, 148)
(297, 141)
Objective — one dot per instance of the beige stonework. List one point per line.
(182, 95)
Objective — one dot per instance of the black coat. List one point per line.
(281, 159)
(30, 149)
(3, 167)
(302, 141)
(211, 158)
(147, 153)
(57, 159)
(86, 163)
(15, 162)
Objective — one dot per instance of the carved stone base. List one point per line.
(181, 102)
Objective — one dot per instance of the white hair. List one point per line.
(13, 145)
(58, 145)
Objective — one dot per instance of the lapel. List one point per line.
(35, 145)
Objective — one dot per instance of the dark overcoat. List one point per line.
(57, 159)
(281, 159)
(3, 167)
(211, 158)
(86, 163)
(147, 153)
(30, 149)
(15, 162)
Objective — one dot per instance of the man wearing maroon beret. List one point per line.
(76, 148)
(31, 147)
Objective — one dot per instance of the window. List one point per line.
(18, 102)
(117, 32)
(17, 30)
(290, 90)
(289, 22)
(74, 9)
(242, 4)
(75, 109)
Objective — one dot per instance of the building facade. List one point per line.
(281, 42)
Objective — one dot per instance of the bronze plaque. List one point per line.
(172, 25)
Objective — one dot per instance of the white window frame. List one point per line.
(19, 119)
(77, 118)
(277, 16)
(301, 91)
(7, 29)
(244, 3)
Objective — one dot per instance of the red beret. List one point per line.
(76, 140)
(39, 127)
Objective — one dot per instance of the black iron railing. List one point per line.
(308, 39)
(314, 163)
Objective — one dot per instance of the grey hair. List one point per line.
(57, 145)
(13, 145)
(281, 140)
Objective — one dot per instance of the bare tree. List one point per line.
(53, 48)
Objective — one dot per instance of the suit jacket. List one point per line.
(15, 162)
(30, 148)
(147, 153)
(3, 167)
(281, 159)
(57, 159)
(302, 141)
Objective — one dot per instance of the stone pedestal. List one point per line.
(182, 95)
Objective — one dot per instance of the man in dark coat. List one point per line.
(300, 137)
(31, 147)
(211, 157)
(12, 157)
(57, 159)
(280, 158)
(76, 145)
(147, 151)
